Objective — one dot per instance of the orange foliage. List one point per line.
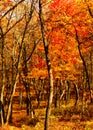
(61, 35)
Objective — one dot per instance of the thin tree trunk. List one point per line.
(83, 60)
(21, 98)
(85, 68)
(50, 98)
(19, 63)
(11, 98)
(89, 10)
(29, 108)
(67, 91)
(77, 94)
(3, 77)
(56, 93)
(91, 67)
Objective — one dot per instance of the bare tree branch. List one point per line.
(12, 8)
(35, 44)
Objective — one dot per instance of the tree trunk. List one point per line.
(77, 94)
(21, 98)
(67, 91)
(18, 65)
(56, 93)
(2, 112)
(50, 98)
(27, 98)
(38, 98)
(11, 99)
(84, 63)
(3, 77)
(29, 107)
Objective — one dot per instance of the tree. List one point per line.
(11, 21)
(72, 28)
(49, 68)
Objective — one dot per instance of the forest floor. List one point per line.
(22, 122)
(66, 117)
(54, 125)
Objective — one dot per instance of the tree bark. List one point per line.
(83, 60)
(50, 74)
(19, 63)
(84, 63)
(3, 76)
(67, 87)
(77, 94)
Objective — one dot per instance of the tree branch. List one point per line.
(12, 8)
